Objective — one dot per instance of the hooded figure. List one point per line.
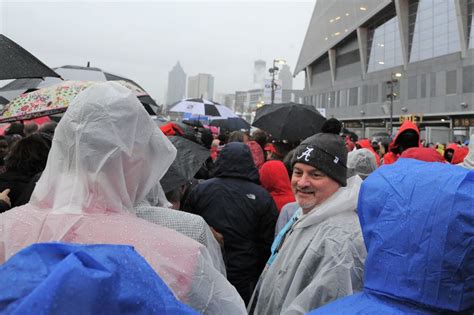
(448, 153)
(241, 210)
(408, 136)
(365, 144)
(459, 155)
(107, 155)
(418, 227)
(319, 255)
(274, 178)
(362, 162)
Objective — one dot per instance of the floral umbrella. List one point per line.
(51, 100)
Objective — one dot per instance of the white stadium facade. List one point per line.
(364, 59)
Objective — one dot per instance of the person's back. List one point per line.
(107, 154)
(191, 225)
(27, 158)
(243, 212)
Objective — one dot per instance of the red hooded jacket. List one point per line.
(274, 178)
(391, 157)
(459, 154)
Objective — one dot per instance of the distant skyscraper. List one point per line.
(259, 72)
(201, 85)
(176, 84)
(286, 78)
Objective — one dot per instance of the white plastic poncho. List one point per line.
(106, 155)
(321, 259)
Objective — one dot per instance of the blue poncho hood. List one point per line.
(417, 220)
(59, 278)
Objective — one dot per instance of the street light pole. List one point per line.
(272, 70)
(391, 107)
(393, 80)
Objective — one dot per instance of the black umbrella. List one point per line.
(189, 159)
(73, 73)
(3, 101)
(231, 124)
(291, 121)
(16, 62)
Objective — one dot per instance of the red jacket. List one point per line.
(274, 178)
(257, 153)
(391, 157)
(423, 154)
(459, 154)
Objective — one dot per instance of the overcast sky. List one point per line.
(143, 40)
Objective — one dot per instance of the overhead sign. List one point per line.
(267, 91)
(414, 118)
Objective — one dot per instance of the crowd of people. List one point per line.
(332, 224)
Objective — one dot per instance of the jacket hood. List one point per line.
(274, 178)
(106, 155)
(418, 227)
(452, 146)
(459, 155)
(407, 125)
(235, 160)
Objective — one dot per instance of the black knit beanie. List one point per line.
(325, 151)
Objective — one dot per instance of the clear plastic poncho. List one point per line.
(106, 155)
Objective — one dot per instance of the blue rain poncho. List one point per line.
(418, 224)
(59, 278)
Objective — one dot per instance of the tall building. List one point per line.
(286, 78)
(176, 84)
(229, 101)
(201, 85)
(241, 102)
(259, 73)
(416, 57)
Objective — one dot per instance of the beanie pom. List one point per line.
(332, 125)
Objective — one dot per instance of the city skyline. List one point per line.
(176, 84)
(159, 33)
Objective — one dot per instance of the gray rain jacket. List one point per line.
(321, 260)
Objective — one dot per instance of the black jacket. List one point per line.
(17, 182)
(242, 211)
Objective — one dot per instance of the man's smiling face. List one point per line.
(310, 186)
